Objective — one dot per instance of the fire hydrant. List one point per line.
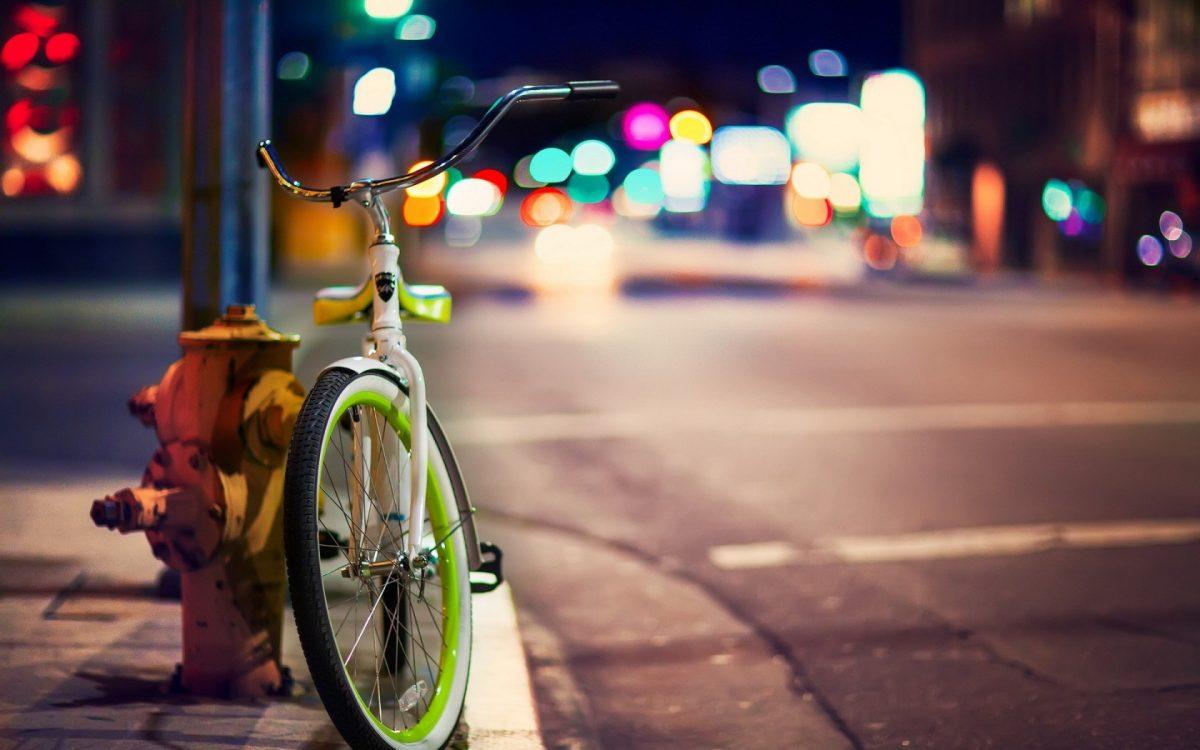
(210, 500)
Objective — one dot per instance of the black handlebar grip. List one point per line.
(583, 90)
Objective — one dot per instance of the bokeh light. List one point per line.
(387, 9)
(643, 185)
(292, 66)
(473, 197)
(19, 50)
(810, 180)
(827, 63)
(1170, 225)
(429, 188)
(39, 148)
(776, 79)
(1181, 246)
(1090, 205)
(645, 126)
(892, 157)
(374, 91)
(61, 47)
(545, 206)
(810, 212)
(690, 125)
(1073, 225)
(523, 176)
(422, 211)
(1149, 250)
(63, 173)
(906, 231)
(632, 209)
(750, 155)
(550, 165)
(828, 133)
(416, 28)
(844, 193)
(494, 176)
(592, 157)
(683, 171)
(879, 253)
(1056, 200)
(587, 188)
(12, 182)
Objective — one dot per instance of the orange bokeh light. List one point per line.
(811, 212)
(545, 206)
(879, 253)
(906, 231)
(422, 211)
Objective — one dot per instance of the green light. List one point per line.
(387, 9)
(1091, 206)
(1056, 200)
(644, 186)
(593, 157)
(588, 188)
(453, 175)
(293, 66)
(416, 28)
(550, 165)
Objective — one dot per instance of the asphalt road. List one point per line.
(708, 504)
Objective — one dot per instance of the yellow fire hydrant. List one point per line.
(210, 501)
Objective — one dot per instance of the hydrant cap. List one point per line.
(240, 323)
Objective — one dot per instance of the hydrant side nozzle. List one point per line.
(108, 513)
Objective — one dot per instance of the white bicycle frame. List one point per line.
(388, 346)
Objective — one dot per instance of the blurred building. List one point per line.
(89, 158)
(1090, 108)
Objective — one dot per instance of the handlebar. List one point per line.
(573, 91)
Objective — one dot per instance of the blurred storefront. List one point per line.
(1060, 131)
(89, 164)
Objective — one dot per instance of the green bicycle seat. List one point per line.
(345, 304)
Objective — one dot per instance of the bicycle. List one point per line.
(379, 534)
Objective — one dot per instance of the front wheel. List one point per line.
(388, 643)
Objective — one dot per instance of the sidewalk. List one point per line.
(88, 648)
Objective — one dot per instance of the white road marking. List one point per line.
(500, 710)
(983, 541)
(537, 428)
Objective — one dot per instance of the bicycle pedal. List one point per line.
(492, 566)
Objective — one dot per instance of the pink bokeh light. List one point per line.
(645, 126)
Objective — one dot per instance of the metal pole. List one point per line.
(225, 112)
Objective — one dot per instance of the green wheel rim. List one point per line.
(449, 569)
